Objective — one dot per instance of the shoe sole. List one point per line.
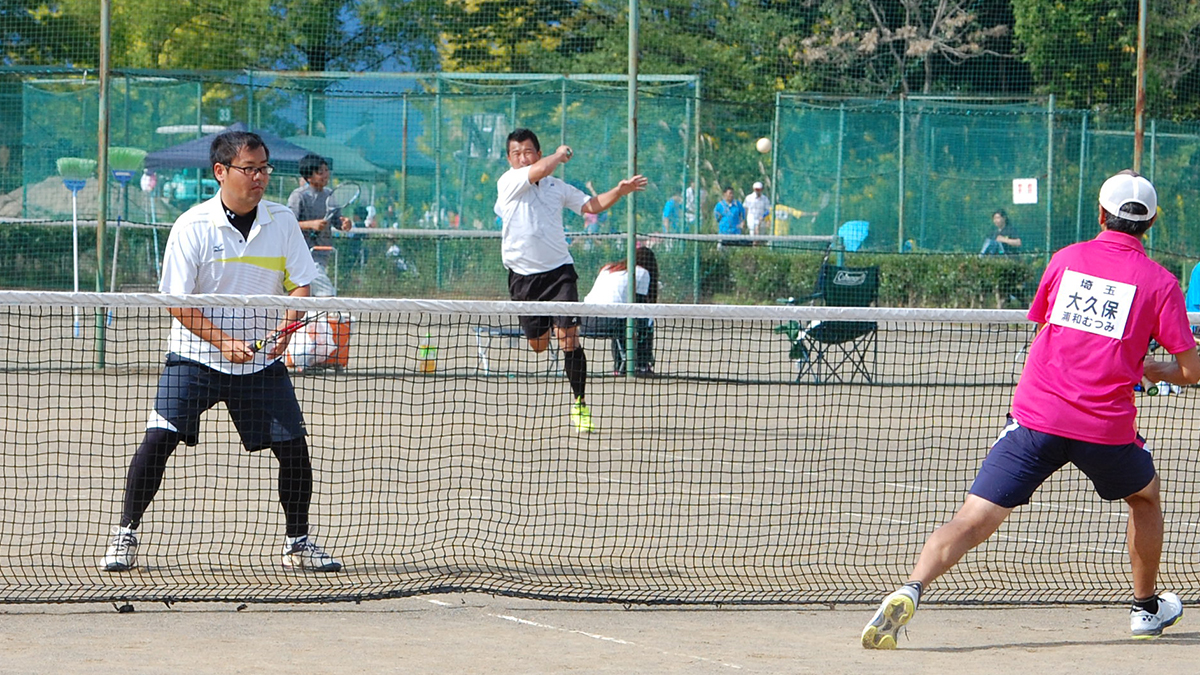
(881, 632)
(117, 567)
(335, 567)
(1150, 636)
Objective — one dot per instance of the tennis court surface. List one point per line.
(475, 633)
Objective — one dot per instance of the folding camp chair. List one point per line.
(836, 351)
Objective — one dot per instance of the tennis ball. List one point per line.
(763, 145)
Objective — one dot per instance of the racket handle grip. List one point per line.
(257, 345)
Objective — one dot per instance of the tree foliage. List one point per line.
(880, 46)
(744, 50)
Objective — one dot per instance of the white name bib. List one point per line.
(1092, 304)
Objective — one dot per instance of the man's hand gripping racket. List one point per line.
(278, 338)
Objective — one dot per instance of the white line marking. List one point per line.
(439, 603)
(605, 638)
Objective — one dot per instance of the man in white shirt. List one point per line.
(757, 207)
(234, 243)
(533, 247)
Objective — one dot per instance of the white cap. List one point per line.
(757, 186)
(1129, 188)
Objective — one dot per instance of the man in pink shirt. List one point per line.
(1098, 306)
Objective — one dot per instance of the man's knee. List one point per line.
(1147, 497)
(540, 343)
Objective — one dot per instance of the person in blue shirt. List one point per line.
(1192, 298)
(730, 214)
(672, 214)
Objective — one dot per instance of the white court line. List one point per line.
(605, 638)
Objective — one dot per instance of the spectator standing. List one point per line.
(757, 206)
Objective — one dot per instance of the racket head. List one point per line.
(346, 193)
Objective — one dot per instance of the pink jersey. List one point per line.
(1101, 301)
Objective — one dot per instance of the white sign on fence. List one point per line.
(1024, 190)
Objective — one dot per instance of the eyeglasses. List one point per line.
(253, 171)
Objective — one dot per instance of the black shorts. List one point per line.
(262, 405)
(557, 285)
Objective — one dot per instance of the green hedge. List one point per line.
(759, 275)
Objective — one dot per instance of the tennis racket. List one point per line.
(343, 196)
(346, 194)
(259, 345)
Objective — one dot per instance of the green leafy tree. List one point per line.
(35, 32)
(1083, 51)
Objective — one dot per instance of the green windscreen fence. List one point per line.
(927, 174)
(899, 178)
(426, 150)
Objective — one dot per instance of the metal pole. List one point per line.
(1083, 137)
(1049, 171)
(250, 98)
(437, 154)
(562, 124)
(776, 192)
(102, 178)
(1139, 107)
(900, 171)
(631, 206)
(837, 188)
(401, 214)
(1150, 173)
(696, 187)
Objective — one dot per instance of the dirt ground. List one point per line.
(484, 634)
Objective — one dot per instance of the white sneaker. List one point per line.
(305, 555)
(122, 551)
(895, 611)
(1145, 625)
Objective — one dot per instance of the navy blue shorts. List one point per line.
(1022, 459)
(262, 405)
(560, 284)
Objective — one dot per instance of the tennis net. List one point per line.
(744, 471)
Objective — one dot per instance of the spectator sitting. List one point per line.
(611, 287)
(1004, 239)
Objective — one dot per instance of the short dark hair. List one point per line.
(311, 163)
(1136, 228)
(226, 146)
(1002, 213)
(522, 135)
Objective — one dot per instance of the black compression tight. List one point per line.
(295, 484)
(150, 462)
(575, 366)
(146, 473)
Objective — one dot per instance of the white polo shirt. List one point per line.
(206, 254)
(610, 287)
(533, 240)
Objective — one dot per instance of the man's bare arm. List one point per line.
(603, 201)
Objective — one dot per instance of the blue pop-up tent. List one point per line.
(194, 153)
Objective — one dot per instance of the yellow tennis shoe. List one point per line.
(581, 417)
(895, 611)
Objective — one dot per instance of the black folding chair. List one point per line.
(836, 351)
